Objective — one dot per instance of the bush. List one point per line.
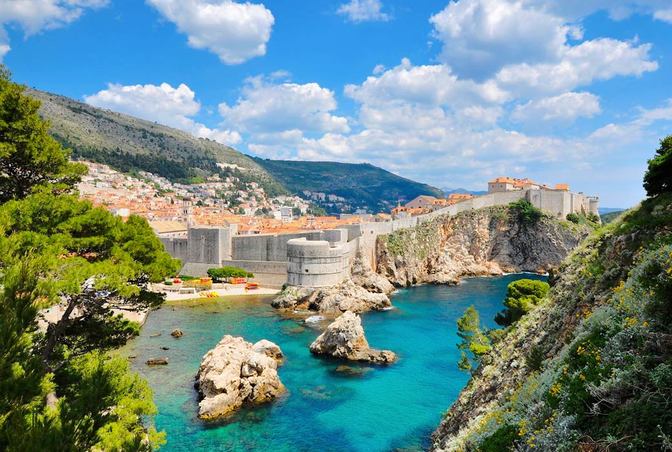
(521, 297)
(224, 273)
(526, 212)
(658, 177)
(503, 439)
(573, 217)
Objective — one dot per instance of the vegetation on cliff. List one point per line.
(590, 368)
(487, 241)
(59, 389)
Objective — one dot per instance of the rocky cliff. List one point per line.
(591, 367)
(487, 241)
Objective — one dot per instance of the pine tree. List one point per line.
(30, 159)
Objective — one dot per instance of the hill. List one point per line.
(351, 186)
(590, 368)
(130, 144)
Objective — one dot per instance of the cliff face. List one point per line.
(487, 241)
(591, 367)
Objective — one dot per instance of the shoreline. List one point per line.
(226, 291)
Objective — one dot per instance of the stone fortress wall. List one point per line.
(323, 258)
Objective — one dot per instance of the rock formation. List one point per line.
(344, 339)
(237, 373)
(346, 296)
(483, 242)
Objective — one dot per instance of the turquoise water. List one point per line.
(365, 409)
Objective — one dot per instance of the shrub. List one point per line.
(526, 212)
(503, 439)
(521, 297)
(573, 217)
(224, 273)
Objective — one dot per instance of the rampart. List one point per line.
(323, 258)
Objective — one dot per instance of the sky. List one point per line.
(451, 93)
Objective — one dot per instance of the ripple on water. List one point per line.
(356, 407)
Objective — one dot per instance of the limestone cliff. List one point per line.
(590, 368)
(487, 241)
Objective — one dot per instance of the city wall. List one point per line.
(323, 258)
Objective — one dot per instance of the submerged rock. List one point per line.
(346, 296)
(177, 333)
(237, 373)
(344, 339)
(157, 362)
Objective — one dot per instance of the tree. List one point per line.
(521, 297)
(658, 177)
(30, 159)
(224, 273)
(475, 343)
(59, 389)
(525, 212)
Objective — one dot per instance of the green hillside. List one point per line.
(362, 185)
(131, 144)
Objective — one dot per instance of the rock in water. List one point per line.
(346, 296)
(177, 333)
(344, 338)
(237, 373)
(157, 362)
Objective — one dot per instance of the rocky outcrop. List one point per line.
(237, 373)
(560, 379)
(364, 277)
(489, 241)
(346, 296)
(344, 339)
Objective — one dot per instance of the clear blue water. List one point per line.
(369, 409)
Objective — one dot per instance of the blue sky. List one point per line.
(448, 93)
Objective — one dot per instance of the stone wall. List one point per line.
(316, 263)
(269, 257)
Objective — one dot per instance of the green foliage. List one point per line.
(525, 212)
(501, 440)
(475, 343)
(30, 159)
(573, 217)
(658, 177)
(362, 185)
(535, 358)
(224, 273)
(521, 297)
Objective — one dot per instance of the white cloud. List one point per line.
(566, 107)
(364, 11)
(430, 85)
(34, 16)
(481, 36)
(267, 107)
(161, 103)
(580, 65)
(664, 14)
(233, 31)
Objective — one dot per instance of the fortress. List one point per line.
(323, 258)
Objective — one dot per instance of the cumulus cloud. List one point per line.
(428, 84)
(268, 107)
(565, 107)
(34, 16)
(580, 65)
(161, 103)
(363, 11)
(481, 36)
(233, 31)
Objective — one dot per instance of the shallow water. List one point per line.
(359, 408)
